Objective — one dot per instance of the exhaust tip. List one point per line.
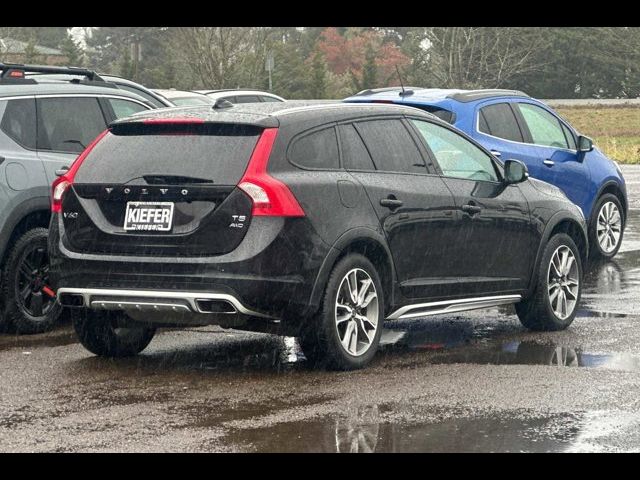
(71, 300)
(216, 306)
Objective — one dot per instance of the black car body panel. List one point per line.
(428, 248)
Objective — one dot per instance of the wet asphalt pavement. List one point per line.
(467, 382)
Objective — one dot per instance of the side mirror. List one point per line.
(515, 172)
(585, 144)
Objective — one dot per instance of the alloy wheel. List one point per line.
(356, 312)
(563, 282)
(33, 293)
(609, 227)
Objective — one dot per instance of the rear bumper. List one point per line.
(155, 301)
(270, 275)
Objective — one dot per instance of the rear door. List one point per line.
(162, 189)
(65, 126)
(414, 206)
(494, 249)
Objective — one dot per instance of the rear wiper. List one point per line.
(173, 179)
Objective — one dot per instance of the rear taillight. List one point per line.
(63, 183)
(270, 196)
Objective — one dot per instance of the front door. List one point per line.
(494, 248)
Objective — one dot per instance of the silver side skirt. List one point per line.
(450, 306)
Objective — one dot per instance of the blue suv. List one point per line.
(513, 125)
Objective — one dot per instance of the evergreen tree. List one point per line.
(369, 69)
(72, 51)
(318, 83)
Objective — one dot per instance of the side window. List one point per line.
(391, 146)
(498, 120)
(545, 128)
(124, 108)
(354, 153)
(456, 156)
(570, 138)
(68, 124)
(19, 121)
(316, 150)
(269, 99)
(247, 99)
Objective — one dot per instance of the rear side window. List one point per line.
(19, 121)
(354, 153)
(316, 150)
(124, 108)
(247, 99)
(499, 120)
(216, 154)
(391, 146)
(68, 124)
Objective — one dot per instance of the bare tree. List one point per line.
(474, 57)
(222, 57)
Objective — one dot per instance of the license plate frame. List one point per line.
(144, 221)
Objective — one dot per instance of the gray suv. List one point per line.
(44, 124)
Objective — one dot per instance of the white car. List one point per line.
(182, 98)
(241, 96)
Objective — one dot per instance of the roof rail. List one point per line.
(387, 89)
(471, 95)
(14, 71)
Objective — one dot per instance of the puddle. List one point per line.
(367, 429)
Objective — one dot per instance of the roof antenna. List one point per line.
(403, 93)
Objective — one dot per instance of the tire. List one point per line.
(601, 211)
(540, 312)
(28, 307)
(110, 334)
(321, 339)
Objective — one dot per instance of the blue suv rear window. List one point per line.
(500, 121)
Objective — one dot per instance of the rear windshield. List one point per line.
(217, 153)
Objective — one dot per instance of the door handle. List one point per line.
(549, 163)
(495, 153)
(391, 202)
(471, 209)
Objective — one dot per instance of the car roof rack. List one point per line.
(404, 91)
(15, 72)
(472, 95)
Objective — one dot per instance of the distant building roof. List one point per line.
(18, 47)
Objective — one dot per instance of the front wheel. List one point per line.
(554, 302)
(607, 227)
(345, 334)
(110, 334)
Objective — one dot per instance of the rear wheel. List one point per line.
(554, 302)
(345, 333)
(29, 302)
(110, 334)
(607, 227)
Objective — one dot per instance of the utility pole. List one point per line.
(269, 64)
